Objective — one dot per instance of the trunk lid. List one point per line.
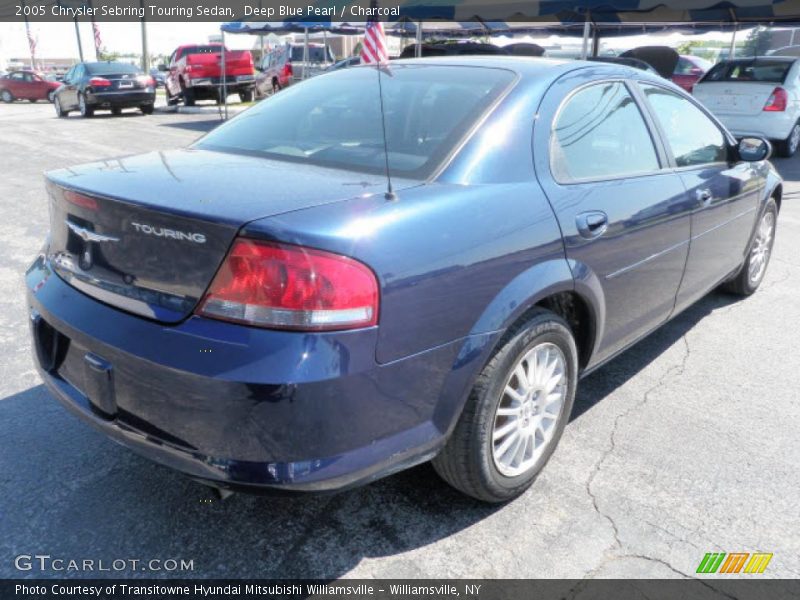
(734, 97)
(147, 233)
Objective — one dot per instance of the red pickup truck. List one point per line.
(195, 73)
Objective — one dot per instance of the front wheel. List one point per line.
(788, 147)
(246, 96)
(60, 112)
(752, 273)
(7, 96)
(516, 412)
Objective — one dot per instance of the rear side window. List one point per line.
(768, 71)
(315, 54)
(335, 119)
(599, 133)
(692, 136)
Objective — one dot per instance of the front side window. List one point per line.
(599, 133)
(692, 136)
(335, 119)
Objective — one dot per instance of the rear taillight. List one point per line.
(146, 80)
(99, 82)
(287, 70)
(290, 287)
(777, 100)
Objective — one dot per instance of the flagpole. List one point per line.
(31, 47)
(78, 36)
(94, 33)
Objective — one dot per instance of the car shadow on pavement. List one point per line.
(202, 126)
(619, 370)
(72, 493)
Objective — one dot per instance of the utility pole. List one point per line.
(78, 36)
(145, 55)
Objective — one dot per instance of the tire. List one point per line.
(85, 110)
(7, 96)
(788, 147)
(246, 96)
(147, 109)
(276, 85)
(116, 111)
(474, 460)
(61, 113)
(752, 273)
(51, 96)
(188, 95)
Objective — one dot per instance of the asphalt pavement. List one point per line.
(685, 444)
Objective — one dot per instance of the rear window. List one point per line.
(335, 120)
(215, 49)
(315, 54)
(768, 71)
(111, 68)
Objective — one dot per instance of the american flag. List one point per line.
(98, 42)
(373, 47)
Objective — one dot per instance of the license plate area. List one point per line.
(125, 84)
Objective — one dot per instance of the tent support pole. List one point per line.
(224, 77)
(585, 47)
(419, 39)
(732, 51)
(305, 52)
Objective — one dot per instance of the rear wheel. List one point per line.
(515, 414)
(7, 96)
(755, 266)
(85, 110)
(188, 95)
(147, 109)
(788, 147)
(60, 112)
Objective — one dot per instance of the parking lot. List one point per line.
(686, 444)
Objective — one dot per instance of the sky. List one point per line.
(58, 40)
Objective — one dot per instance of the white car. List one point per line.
(756, 97)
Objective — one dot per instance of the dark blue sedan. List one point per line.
(258, 312)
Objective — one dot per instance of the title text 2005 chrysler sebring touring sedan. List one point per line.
(257, 312)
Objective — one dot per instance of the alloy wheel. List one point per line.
(7, 97)
(529, 409)
(794, 138)
(762, 247)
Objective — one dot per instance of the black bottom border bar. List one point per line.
(711, 588)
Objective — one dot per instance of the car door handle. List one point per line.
(704, 196)
(591, 224)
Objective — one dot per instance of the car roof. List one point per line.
(541, 68)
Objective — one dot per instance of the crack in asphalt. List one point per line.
(674, 370)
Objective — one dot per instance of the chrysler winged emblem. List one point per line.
(89, 236)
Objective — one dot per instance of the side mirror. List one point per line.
(753, 149)
(162, 67)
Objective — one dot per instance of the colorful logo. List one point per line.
(734, 562)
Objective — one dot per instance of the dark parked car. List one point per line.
(323, 333)
(113, 86)
(452, 48)
(26, 85)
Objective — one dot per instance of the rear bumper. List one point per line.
(773, 126)
(120, 99)
(242, 407)
(231, 81)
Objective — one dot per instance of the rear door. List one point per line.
(624, 216)
(69, 94)
(724, 195)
